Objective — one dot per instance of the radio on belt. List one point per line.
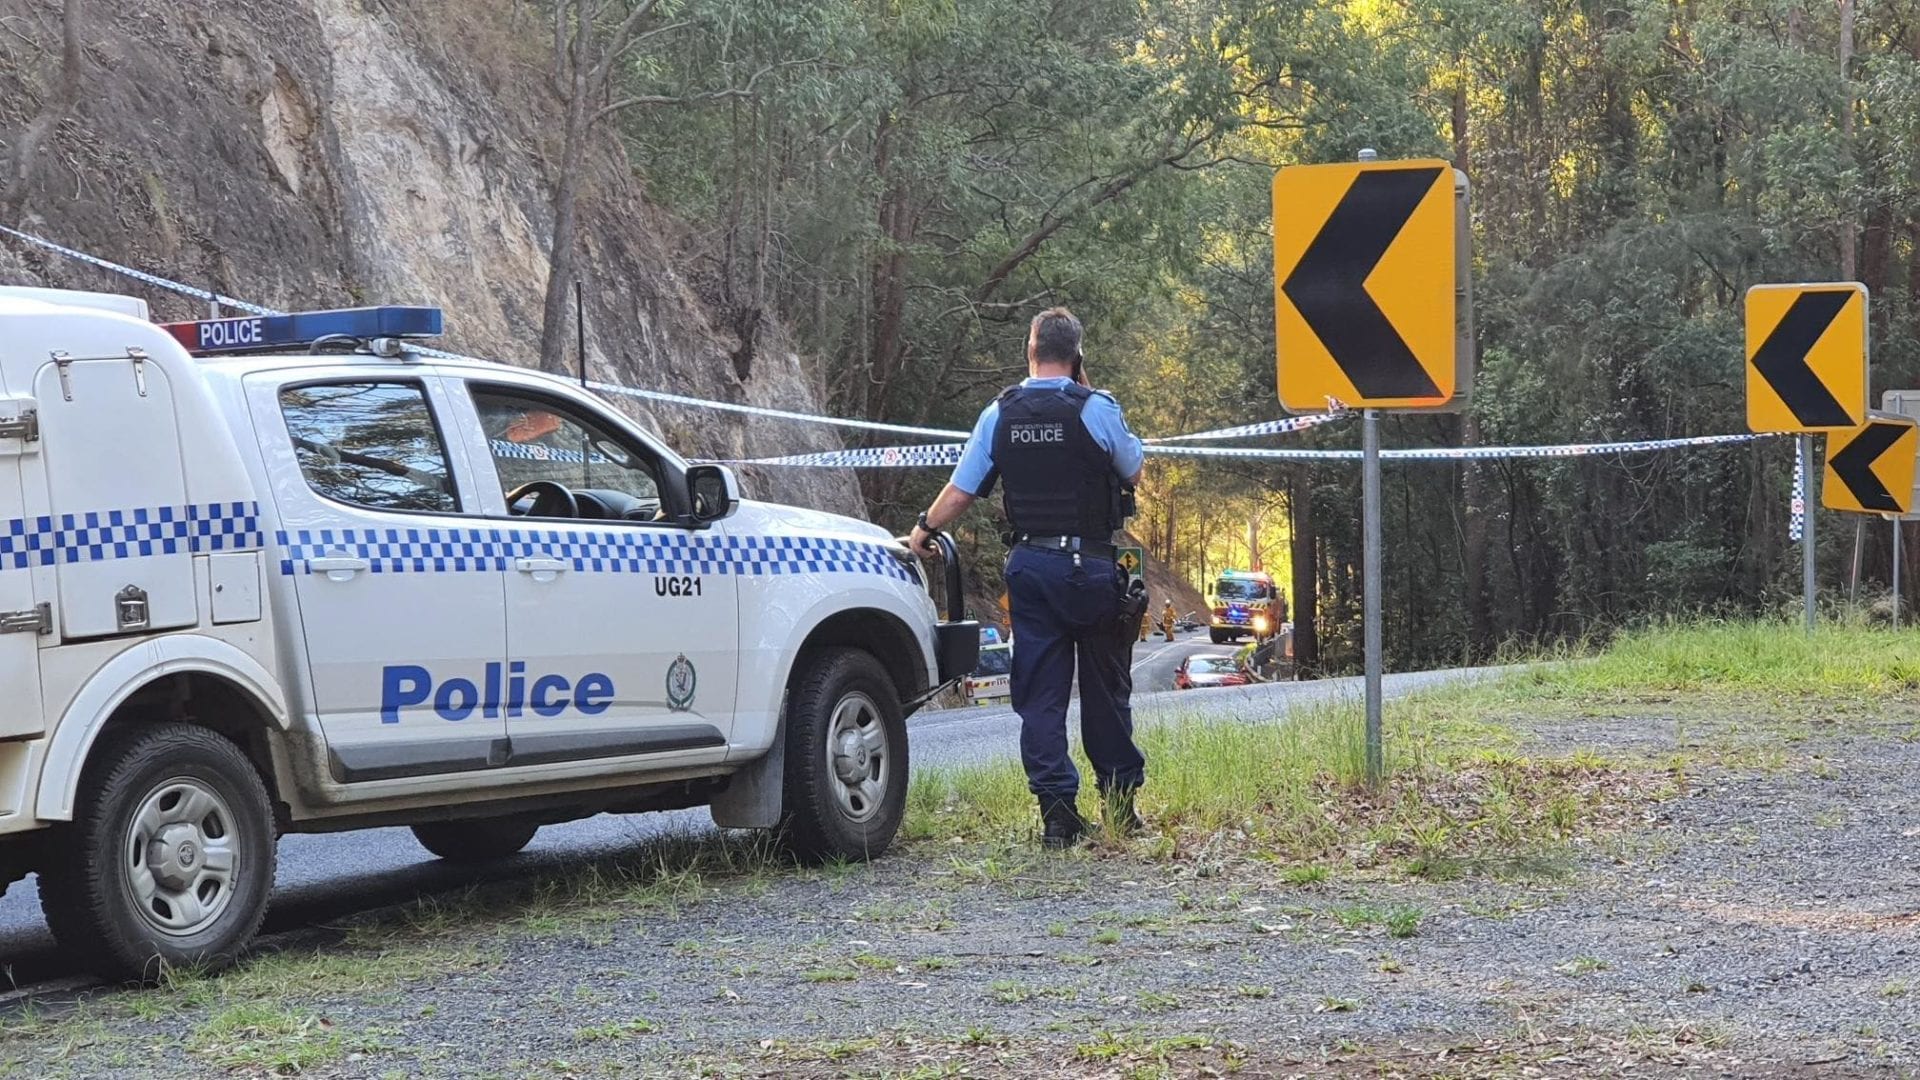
(304, 589)
(257, 333)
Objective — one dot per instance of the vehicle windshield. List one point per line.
(1212, 665)
(1240, 589)
(995, 662)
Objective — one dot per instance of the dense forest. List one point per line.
(904, 181)
(893, 187)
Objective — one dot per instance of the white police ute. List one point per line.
(285, 573)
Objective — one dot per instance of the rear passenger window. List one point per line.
(371, 444)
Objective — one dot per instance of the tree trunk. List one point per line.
(889, 275)
(1848, 257)
(1473, 486)
(1167, 541)
(58, 106)
(555, 318)
(1306, 581)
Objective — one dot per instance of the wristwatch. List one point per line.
(925, 524)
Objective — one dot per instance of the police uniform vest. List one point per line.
(1059, 480)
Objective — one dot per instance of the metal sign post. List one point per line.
(1370, 583)
(1806, 527)
(1896, 573)
(1853, 578)
(1373, 307)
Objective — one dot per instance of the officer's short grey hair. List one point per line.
(1056, 336)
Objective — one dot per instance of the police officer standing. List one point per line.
(1068, 463)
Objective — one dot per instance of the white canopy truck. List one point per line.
(285, 573)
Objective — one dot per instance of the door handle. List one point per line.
(338, 567)
(542, 569)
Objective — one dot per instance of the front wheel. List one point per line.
(169, 858)
(845, 789)
(475, 841)
(1220, 637)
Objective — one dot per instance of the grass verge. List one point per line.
(1773, 659)
(1294, 791)
(1459, 796)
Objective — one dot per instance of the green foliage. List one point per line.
(904, 183)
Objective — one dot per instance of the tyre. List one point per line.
(476, 840)
(169, 859)
(845, 788)
(1219, 637)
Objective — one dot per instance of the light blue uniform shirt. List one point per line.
(1101, 416)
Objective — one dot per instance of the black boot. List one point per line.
(1117, 809)
(1062, 825)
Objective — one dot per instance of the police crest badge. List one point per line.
(681, 682)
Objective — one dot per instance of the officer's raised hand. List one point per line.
(920, 542)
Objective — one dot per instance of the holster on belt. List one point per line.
(1133, 608)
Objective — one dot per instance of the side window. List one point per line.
(371, 444)
(533, 440)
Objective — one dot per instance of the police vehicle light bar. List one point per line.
(253, 333)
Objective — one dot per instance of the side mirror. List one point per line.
(712, 492)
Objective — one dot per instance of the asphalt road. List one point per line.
(325, 877)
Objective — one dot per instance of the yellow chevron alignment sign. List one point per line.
(1366, 278)
(1870, 469)
(1807, 357)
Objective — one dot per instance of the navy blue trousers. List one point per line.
(1063, 613)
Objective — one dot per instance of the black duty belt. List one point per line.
(1095, 549)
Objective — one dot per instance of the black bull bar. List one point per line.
(956, 640)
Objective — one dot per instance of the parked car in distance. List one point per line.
(1198, 671)
(991, 679)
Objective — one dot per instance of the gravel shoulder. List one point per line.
(1746, 907)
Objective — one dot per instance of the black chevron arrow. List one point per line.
(1329, 284)
(1782, 359)
(1854, 466)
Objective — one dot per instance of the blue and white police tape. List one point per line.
(909, 457)
(1265, 427)
(928, 456)
(1271, 427)
(778, 414)
(1796, 520)
(614, 388)
(933, 455)
(140, 275)
(1464, 453)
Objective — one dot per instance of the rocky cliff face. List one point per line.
(321, 153)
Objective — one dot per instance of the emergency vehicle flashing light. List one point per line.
(257, 333)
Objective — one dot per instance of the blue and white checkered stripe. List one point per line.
(443, 551)
(100, 535)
